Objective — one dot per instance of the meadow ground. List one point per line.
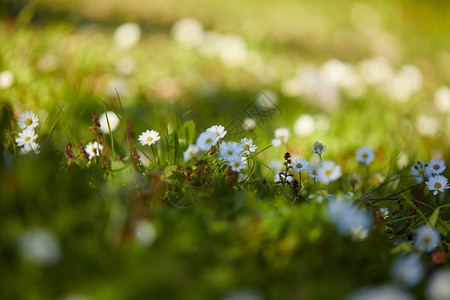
(224, 150)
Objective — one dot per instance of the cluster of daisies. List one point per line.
(26, 139)
(326, 171)
(234, 153)
(431, 171)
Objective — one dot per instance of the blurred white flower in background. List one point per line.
(117, 85)
(6, 80)
(267, 99)
(376, 70)
(112, 119)
(249, 124)
(232, 50)
(427, 125)
(145, 233)
(379, 293)
(438, 286)
(188, 32)
(127, 35)
(275, 164)
(407, 271)
(442, 99)
(39, 247)
(125, 66)
(304, 125)
(403, 84)
(210, 44)
(349, 219)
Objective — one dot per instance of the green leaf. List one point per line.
(434, 217)
(189, 131)
(173, 143)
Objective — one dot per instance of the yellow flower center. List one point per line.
(230, 152)
(281, 137)
(382, 215)
(421, 171)
(319, 147)
(436, 167)
(376, 180)
(27, 138)
(190, 153)
(246, 147)
(437, 185)
(217, 134)
(365, 155)
(208, 140)
(314, 172)
(28, 122)
(94, 150)
(427, 240)
(328, 172)
(299, 165)
(236, 164)
(149, 139)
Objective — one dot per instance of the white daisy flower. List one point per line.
(419, 171)
(25, 137)
(437, 183)
(329, 171)
(314, 172)
(383, 213)
(282, 178)
(206, 140)
(93, 149)
(190, 152)
(113, 121)
(365, 155)
(354, 179)
(427, 238)
(149, 137)
(436, 166)
(237, 163)
(28, 119)
(32, 147)
(407, 271)
(377, 179)
(438, 287)
(300, 165)
(318, 147)
(247, 146)
(218, 130)
(230, 151)
(281, 137)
